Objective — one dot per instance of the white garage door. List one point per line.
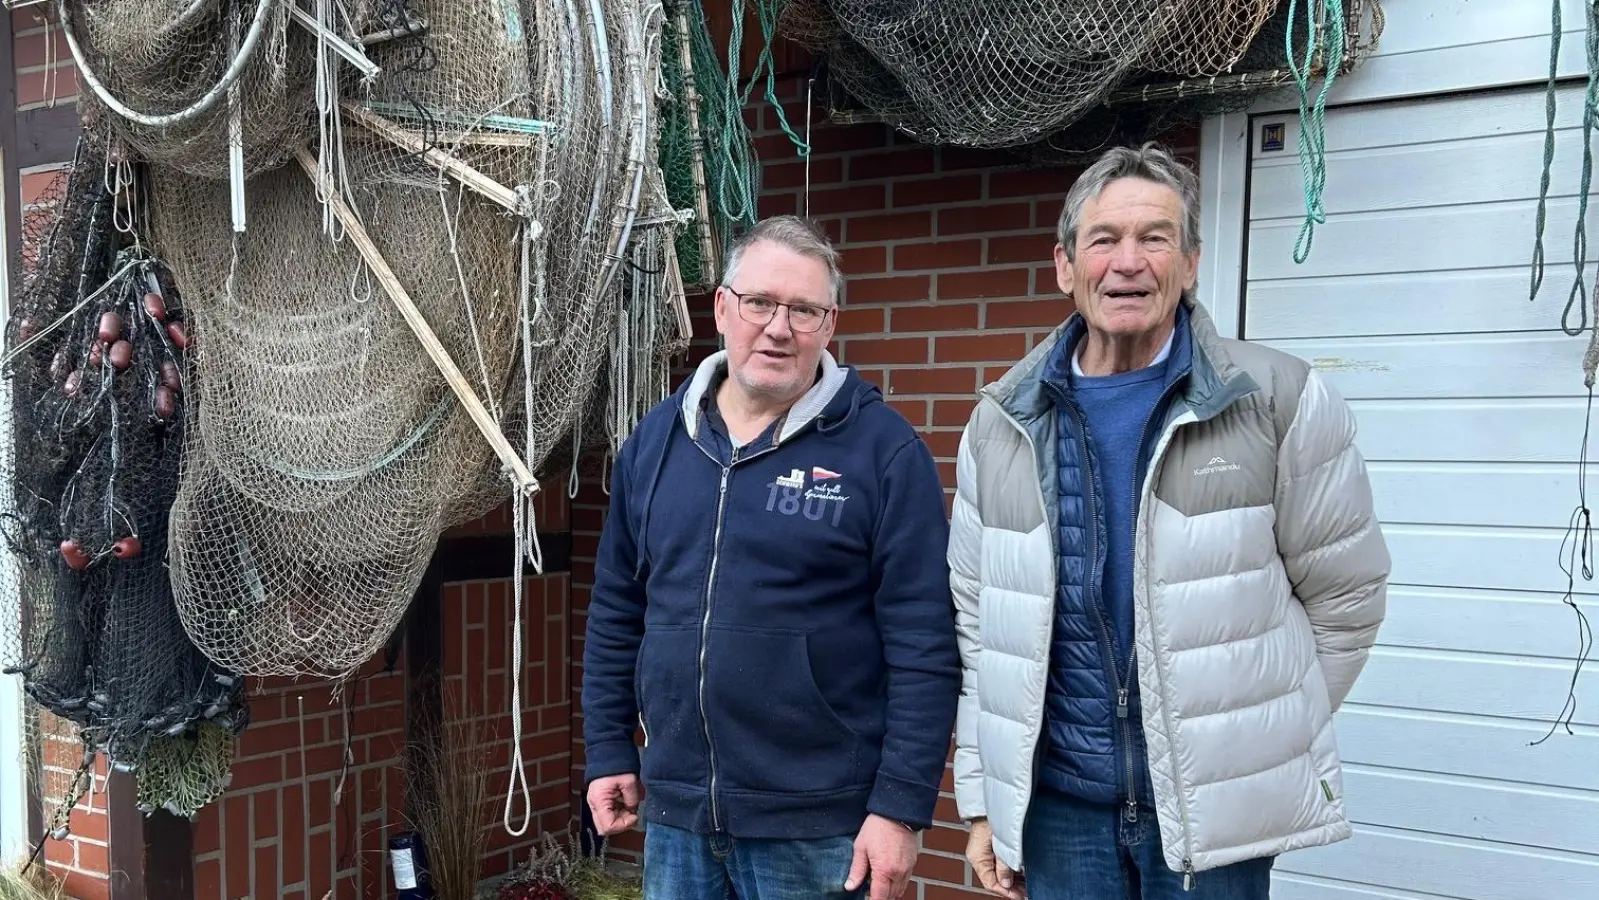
(1414, 302)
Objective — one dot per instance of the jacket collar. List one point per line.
(804, 411)
(1214, 380)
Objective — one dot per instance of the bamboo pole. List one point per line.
(413, 317)
(711, 265)
(473, 179)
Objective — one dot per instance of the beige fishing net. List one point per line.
(481, 172)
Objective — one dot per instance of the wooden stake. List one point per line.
(424, 333)
(710, 264)
(444, 162)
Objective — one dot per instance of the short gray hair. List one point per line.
(1150, 162)
(792, 233)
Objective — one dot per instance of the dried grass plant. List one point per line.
(561, 871)
(30, 883)
(447, 802)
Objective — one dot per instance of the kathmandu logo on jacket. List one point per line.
(786, 494)
(1217, 464)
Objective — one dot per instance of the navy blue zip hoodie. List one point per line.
(777, 618)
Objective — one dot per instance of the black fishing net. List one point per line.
(95, 378)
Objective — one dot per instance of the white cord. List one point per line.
(452, 224)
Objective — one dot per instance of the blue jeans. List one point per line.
(1074, 850)
(682, 865)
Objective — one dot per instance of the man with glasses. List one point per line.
(771, 608)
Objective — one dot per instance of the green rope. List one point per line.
(1578, 298)
(767, 11)
(732, 171)
(732, 175)
(1548, 152)
(1312, 120)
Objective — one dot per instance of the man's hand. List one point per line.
(994, 875)
(614, 800)
(887, 850)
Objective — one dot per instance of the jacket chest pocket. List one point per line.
(1008, 490)
(1226, 463)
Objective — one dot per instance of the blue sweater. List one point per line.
(776, 617)
(1105, 429)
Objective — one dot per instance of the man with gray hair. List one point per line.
(1167, 576)
(771, 607)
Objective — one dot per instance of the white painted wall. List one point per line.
(1414, 303)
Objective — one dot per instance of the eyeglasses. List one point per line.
(759, 310)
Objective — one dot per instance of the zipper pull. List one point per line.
(1121, 703)
(1188, 875)
(1132, 810)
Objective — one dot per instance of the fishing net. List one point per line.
(1067, 79)
(96, 395)
(458, 268)
(173, 73)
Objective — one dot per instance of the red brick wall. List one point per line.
(950, 281)
(83, 862)
(45, 73)
(477, 653)
(287, 830)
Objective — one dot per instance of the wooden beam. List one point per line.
(168, 856)
(10, 163)
(10, 280)
(151, 856)
(47, 135)
(125, 837)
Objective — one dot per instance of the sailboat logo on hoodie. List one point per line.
(824, 501)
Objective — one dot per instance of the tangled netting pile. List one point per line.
(1058, 75)
(95, 420)
(493, 163)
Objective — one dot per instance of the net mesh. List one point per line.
(1062, 80)
(95, 402)
(171, 64)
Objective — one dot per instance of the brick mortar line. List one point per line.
(64, 63)
(46, 104)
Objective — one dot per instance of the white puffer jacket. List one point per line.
(1260, 578)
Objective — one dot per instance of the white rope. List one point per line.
(525, 536)
(452, 225)
(235, 71)
(330, 121)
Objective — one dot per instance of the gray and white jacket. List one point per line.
(1260, 581)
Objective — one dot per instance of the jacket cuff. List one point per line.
(972, 809)
(610, 758)
(905, 802)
